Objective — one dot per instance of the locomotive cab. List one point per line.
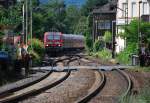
(53, 41)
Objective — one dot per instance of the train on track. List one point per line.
(56, 41)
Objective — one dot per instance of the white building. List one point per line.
(127, 10)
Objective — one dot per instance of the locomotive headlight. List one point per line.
(47, 45)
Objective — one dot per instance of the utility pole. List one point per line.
(31, 22)
(139, 23)
(26, 34)
(113, 38)
(23, 25)
(126, 12)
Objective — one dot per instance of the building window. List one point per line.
(101, 24)
(145, 8)
(104, 24)
(107, 24)
(124, 6)
(133, 10)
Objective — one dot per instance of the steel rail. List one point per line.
(34, 91)
(127, 77)
(17, 88)
(89, 96)
(96, 90)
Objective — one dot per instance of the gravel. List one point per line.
(140, 80)
(22, 82)
(114, 87)
(76, 86)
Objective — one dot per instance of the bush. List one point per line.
(38, 50)
(98, 45)
(89, 42)
(107, 37)
(143, 97)
(38, 47)
(36, 59)
(104, 54)
(124, 56)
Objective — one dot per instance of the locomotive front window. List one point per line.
(56, 37)
(50, 37)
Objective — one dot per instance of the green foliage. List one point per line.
(89, 42)
(38, 47)
(98, 45)
(1, 36)
(10, 16)
(131, 35)
(72, 18)
(37, 52)
(124, 56)
(107, 37)
(82, 26)
(142, 97)
(104, 54)
(38, 25)
(55, 16)
(145, 30)
(35, 3)
(131, 31)
(140, 69)
(36, 59)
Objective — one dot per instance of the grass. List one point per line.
(140, 69)
(103, 55)
(142, 97)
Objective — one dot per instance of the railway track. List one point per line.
(111, 87)
(50, 80)
(117, 86)
(80, 86)
(119, 90)
(68, 91)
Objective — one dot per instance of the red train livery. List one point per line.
(56, 41)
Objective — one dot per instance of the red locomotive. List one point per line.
(56, 41)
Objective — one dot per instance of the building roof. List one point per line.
(107, 8)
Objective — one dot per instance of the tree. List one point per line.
(72, 18)
(10, 16)
(35, 3)
(132, 39)
(131, 31)
(38, 25)
(81, 26)
(89, 42)
(57, 9)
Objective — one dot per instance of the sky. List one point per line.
(70, 2)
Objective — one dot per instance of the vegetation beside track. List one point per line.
(131, 35)
(140, 69)
(104, 55)
(142, 97)
(37, 51)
